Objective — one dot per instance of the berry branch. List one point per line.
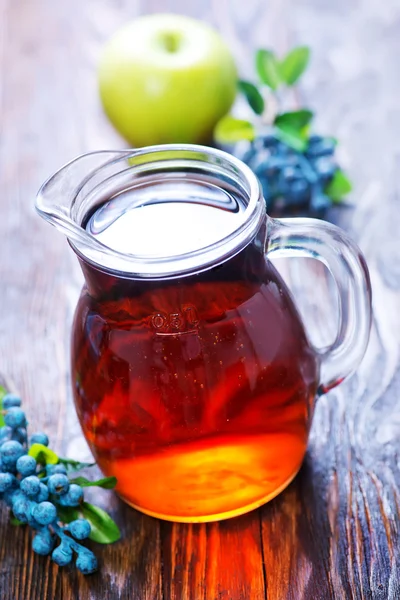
(34, 483)
(296, 169)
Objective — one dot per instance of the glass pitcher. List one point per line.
(193, 376)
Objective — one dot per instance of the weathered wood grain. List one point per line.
(184, 550)
(217, 560)
(334, 533)
(234, 560)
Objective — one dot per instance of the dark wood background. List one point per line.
(334, 533)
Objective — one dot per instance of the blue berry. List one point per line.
(275, 164)
(290, 173)
(10, 400)
(8, 495)
(17, 495)
(323, 147)
(6, 481)
(20, 508)
(5, 433)
(261, 167)
(43, 542)
(58, 484)
(10, 452)
(44, 513)
(320, 201)
(62, 555)
(15, 417)
(73, 497)
(298, 191)
(307, 169)
(26, 465)
(30, 486)
(281, 149)
(274, 167)
(43, 493)
(269, 141)
(75, 492)
(20, 435)
(59, 469)
(80, 529)
(314, 140)
(40, 438)
(86, 561)
(325, 167)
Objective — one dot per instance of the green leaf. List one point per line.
(292, 128)
(253, 96)
(16, 522)
(267, 68)
(297, 119)
(339, 186)
(3, 392)
(294, 64)
(43, 454)
(294, 138)
(104, 529)
(66, 514)
(107, 483)
(230, 130)
(74, 465)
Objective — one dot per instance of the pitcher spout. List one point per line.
(60, 199)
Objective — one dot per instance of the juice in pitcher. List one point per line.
(196, 391)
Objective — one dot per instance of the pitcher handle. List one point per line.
(329, 244)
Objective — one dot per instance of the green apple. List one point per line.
(166, 78)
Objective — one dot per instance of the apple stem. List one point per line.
(171, 41)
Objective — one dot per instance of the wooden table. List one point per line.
(334, 533)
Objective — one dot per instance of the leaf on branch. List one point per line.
(253, 96)
(267, 68)
(230, 130)
(294, 64)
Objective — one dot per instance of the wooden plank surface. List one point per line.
(334, 533)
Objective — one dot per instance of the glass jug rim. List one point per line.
(168, 157)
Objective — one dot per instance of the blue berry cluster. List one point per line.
(293, 182)
(35, 492)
